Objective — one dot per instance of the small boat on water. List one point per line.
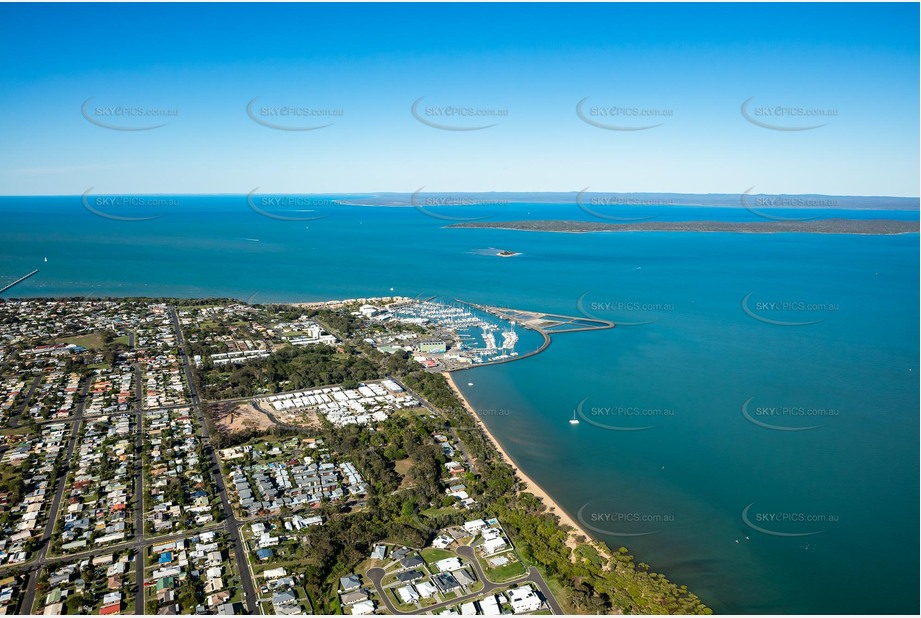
(573, 420)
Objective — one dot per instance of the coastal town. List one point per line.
(221, 458)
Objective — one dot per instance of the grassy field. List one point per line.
(410, 412)
(435, 511)
(19, 431)
(92, 341)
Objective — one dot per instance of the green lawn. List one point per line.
(435, 511)
(22, 430)
(431, 554)
(410, 412)
(396, 602)
(505, 572)
(93, 341)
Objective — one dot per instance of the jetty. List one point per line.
(17, 282)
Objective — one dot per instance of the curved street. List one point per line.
(377, 574)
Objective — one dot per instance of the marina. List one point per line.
(471, 336)
(478, 335)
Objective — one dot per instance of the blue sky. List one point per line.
(693, 65)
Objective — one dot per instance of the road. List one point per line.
(376, 575)
(230, 524)
(17, 418)
(139, 541)
(60, 480)
(233, 526)
(138, 489)
(466, 551)
(33, 564)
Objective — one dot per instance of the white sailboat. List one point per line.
(573, 420)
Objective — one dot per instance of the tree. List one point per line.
(74, 603)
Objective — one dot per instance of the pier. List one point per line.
(18, 281)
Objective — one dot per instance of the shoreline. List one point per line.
(528, 483)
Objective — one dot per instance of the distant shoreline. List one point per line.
(592, 199)
(865, 227)
(584, 200)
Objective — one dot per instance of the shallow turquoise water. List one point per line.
(684, 369)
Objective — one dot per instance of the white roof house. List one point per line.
(492, 533)
(408, 594)
(426, 589)
(524, 599)
(490, 606)
(442, 541)
(491, 546)
(448, 564)
(475, 525)
(274, 573)
(362, 608)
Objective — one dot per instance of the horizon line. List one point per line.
(458, 192)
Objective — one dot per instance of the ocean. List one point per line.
(750, 428)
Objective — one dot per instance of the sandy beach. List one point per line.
(528, 483)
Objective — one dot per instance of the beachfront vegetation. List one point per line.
(593, 580)
(405, 468)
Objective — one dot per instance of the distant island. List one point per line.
(819, 226)
(743, 199)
